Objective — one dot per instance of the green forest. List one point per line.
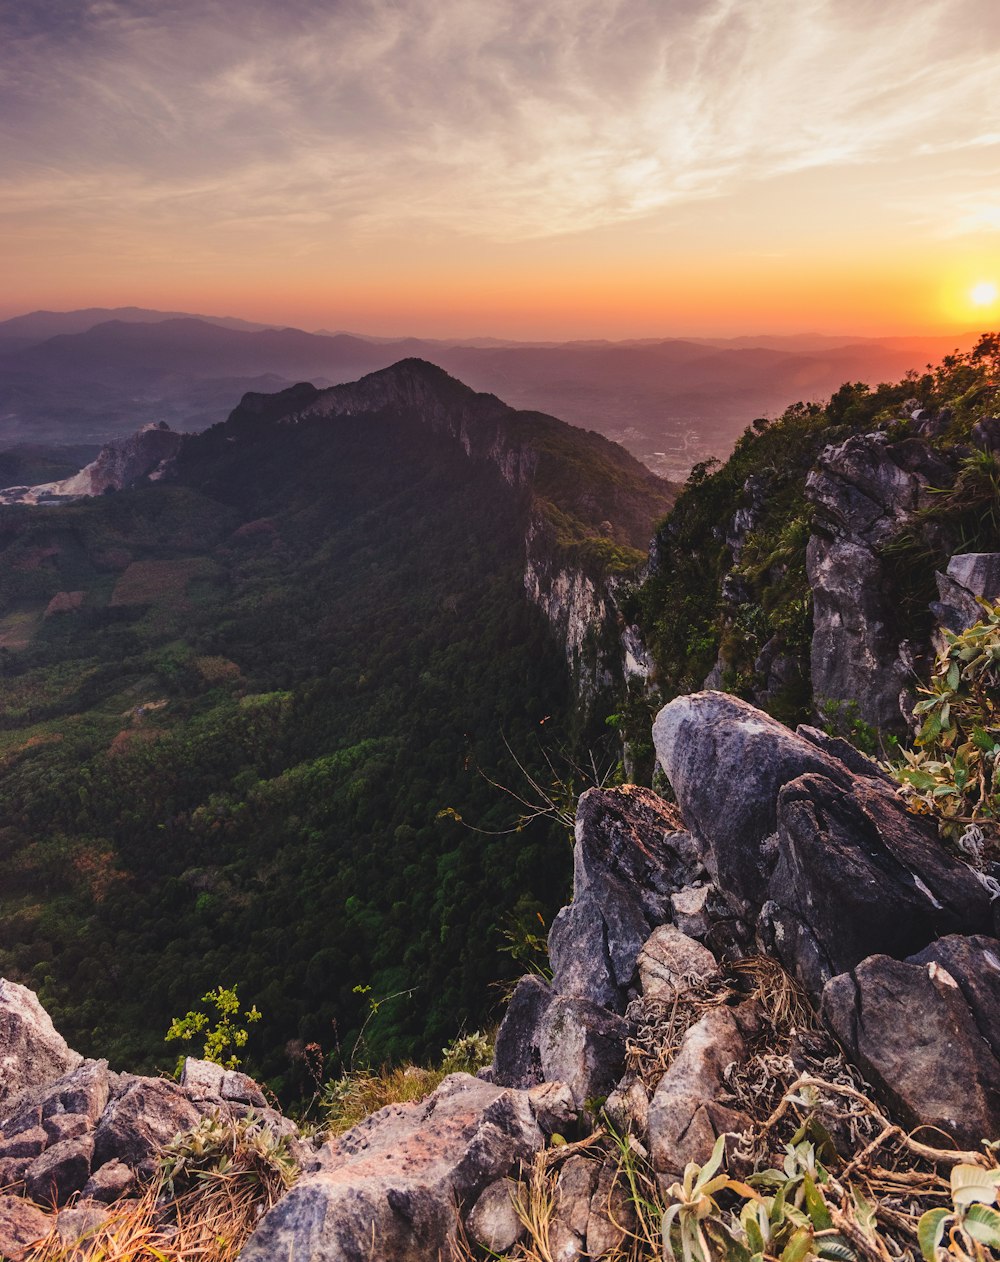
(244, 717)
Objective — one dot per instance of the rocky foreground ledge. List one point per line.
(786, 925)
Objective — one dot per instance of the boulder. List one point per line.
(389, 1187)
(517, 1060)
(32, 1052)
(582, 1045)
(909, 1029)
(974, 963)
(631, 855)
(670, 961)
(611, 1218)
(113, 1180)
(726, 762)
(207, 1082)
(856, 875)
(575, 1187)
(21, 1225)
(553, 1105)
(60, 1171)
(685, 1116)
(138, 1123)
(970, 576)
(75, 1225)
(492, 1223)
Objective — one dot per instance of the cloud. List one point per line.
(499, 119)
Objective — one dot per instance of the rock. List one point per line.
(690, 910)
(390, 1185)
(60, 1171)
(113, 1180)
(12, 1171)
(685, 1118)
(669, 962)
(564, 1244)
(66, 1126)
(21, 1225)
(493, 1222)
(206, 1082)
(138, 1123)
(974, 963)
(843, 751)
(83, 1091)
(574, 1189)
(630, 856)
(986, 434)
(582, 1045)
(857, 876)
(32, 1052)
(726, 762)
(516, 1057)
(970, 576)
(611, 1216)
(910, 1031)
(30, 1143)
(83, 1220)
(553, 1106)
(628, 1107)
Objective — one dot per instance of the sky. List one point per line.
(520, 168)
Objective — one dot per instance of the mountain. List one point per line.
(245, 707)
(672, 402)
(38, 326)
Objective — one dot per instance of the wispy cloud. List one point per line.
(505, 119)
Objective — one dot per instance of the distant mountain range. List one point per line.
(90, 376)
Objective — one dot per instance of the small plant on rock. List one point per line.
(223, 1038)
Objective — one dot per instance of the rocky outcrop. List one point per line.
(969, 578)
(118, 466)
(32, 1052)
(867, 492)
(397, 1177)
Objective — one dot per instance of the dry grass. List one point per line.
(349, 1100)
(210, 1192)
(159, 582)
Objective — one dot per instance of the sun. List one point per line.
(984, 294)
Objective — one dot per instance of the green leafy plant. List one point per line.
(950, 775)
(972, 1224)
(224, 1037)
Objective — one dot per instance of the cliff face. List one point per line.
(589, 508)
(119, 465)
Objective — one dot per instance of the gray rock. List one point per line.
(670, 961)
(685, 1116)
(62, 1126)
(12, 1172)
(564, 1243)
(21, 1225)
(390, 1185)
(493, 1222)
(575, 1187)
(986, 434)
(517, 1060)
(207, 1082)
(84, 1091)
(911, 1032)
(82, 1221)
(582, 1045)
(726, 762)
(30, 1143)
(611, 1217)
(139, 1122)
(113, 1180)
(630, 856)
(690, 910)
(969, 576)
(553, 1105)
(628, 1107)
(974, 963)
(857, 876)
(60, 1171)
(32, 1052)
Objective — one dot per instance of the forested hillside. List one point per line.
(241, 714)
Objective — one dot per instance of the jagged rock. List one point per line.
(685, 1117)
(726, 762)
(390, 1185)
(843, 751)
(12, 1171)
(493, 1222)
(628, 1107)
(517, 1061)
(974, 963)
(669, 961)
(611, 1216)
(630, 855)
(139, 1122)
(76, 1224)
(21, 1225)
(553, 1106)
(83, 1091)
(28, 1143)
(32, 1053)
(66, 1126)
(60, 1171)
(910, 1031)
(205, 1081)
(574, 1189)
(970, 576)
(113, 1180)
(856, 876)
(582, 1045)
(690, 910)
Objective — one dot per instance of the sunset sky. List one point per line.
(522, 168)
